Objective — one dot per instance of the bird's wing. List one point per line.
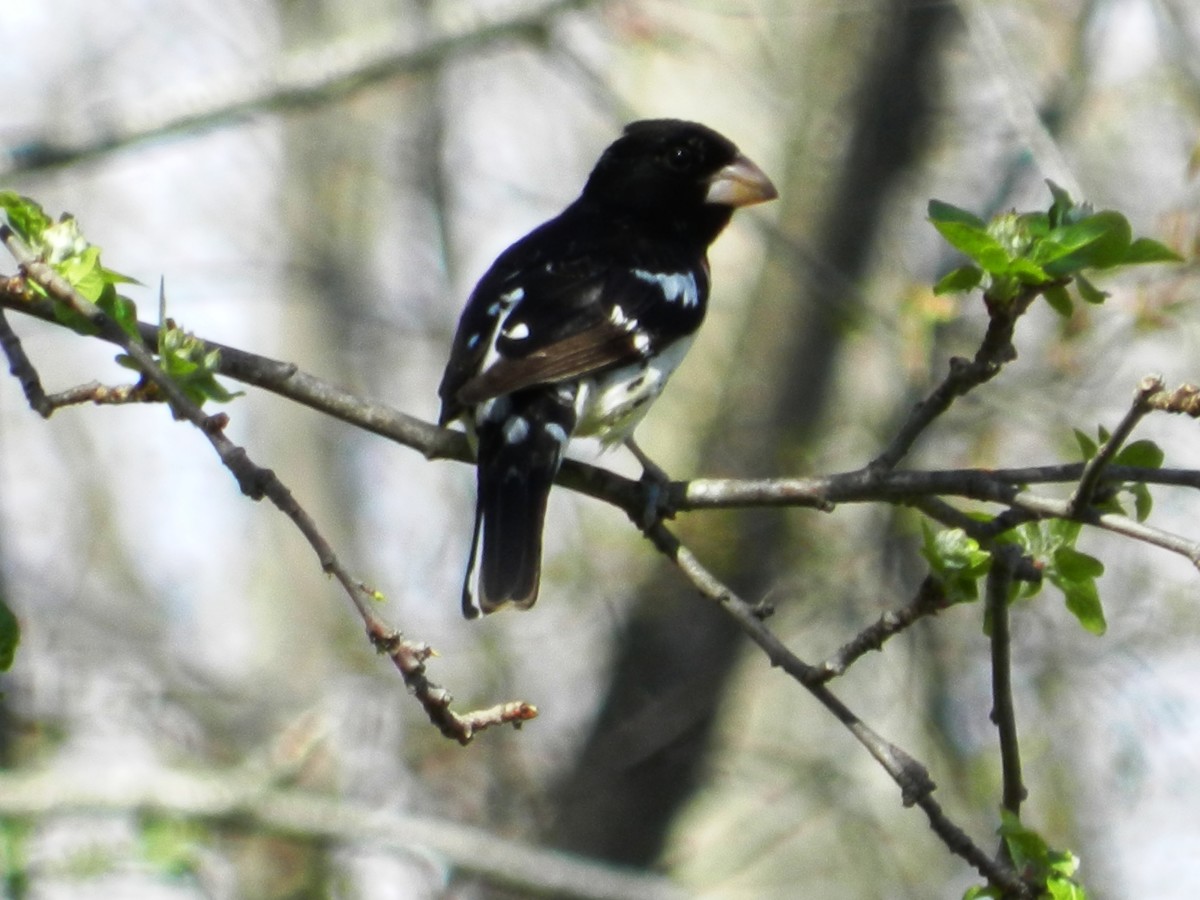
(554, 318)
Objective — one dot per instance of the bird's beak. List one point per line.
(741, 183)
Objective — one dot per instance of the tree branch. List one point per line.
(999, 580)
(20, 367)
(823, 492)
(965, 375)
(306, 80)
(245, 793)
(929, 600)
(916, 786)
(1149, 387)
(256, 482)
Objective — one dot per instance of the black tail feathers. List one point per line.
(521, 439)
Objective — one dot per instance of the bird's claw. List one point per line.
(657, 502)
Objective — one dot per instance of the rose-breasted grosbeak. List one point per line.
(575, 328)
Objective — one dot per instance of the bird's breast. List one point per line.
(610, 405)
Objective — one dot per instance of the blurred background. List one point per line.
(183, 652)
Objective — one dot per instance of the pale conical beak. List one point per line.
(741, 183)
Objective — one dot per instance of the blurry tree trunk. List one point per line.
(676, 654)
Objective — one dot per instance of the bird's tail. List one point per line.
(521, 439)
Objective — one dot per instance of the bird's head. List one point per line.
(682, 175)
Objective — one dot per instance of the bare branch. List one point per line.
(1184, 400)
(930, 598)
(250, 793)
(1002, 486)
(20, 367)
(314, 78)
(1047, 508)
(965, 375)
(999, 581)
(1149, 387)
(916, 786)
(257, 482)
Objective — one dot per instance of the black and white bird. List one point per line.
(576, 327)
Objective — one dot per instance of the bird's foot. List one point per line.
(657, 503)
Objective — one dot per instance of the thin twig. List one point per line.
(247, 793)
(104, 395)
(930, 598)
(1184, 400)
(20, 367)
(303, 81)
(916, 786)
(1039, 507)
(994, 351)
(257, 482)
(822, 492)
(999, 580)
(1149, 386)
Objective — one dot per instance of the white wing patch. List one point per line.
(500, 311)
(506, 301)
(517, 331)
(676, 287)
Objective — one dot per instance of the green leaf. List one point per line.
(1144, 454)
(1143, 503)
(10, 636)
(1062, 533)
(976, 243)
(1059, 300)
(1087, 446)
(1072, 565)
(121, 310)
(1146, 250)
(1061, 208)
(118, 278)
(1025, 845)
(1083, 601)
(1036, 224)
(1075, 574)
(25, 217)
(957, 561)
(1099, 241)
(960, 280)
(1065, 889)
(1027, 271)
(84, 272)
(1038, 862)
(1052, 545)
(192, 366)
(1088, 292)
(940, 211)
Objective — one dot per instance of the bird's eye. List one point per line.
(680, 157)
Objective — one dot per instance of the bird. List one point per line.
(574, 330)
